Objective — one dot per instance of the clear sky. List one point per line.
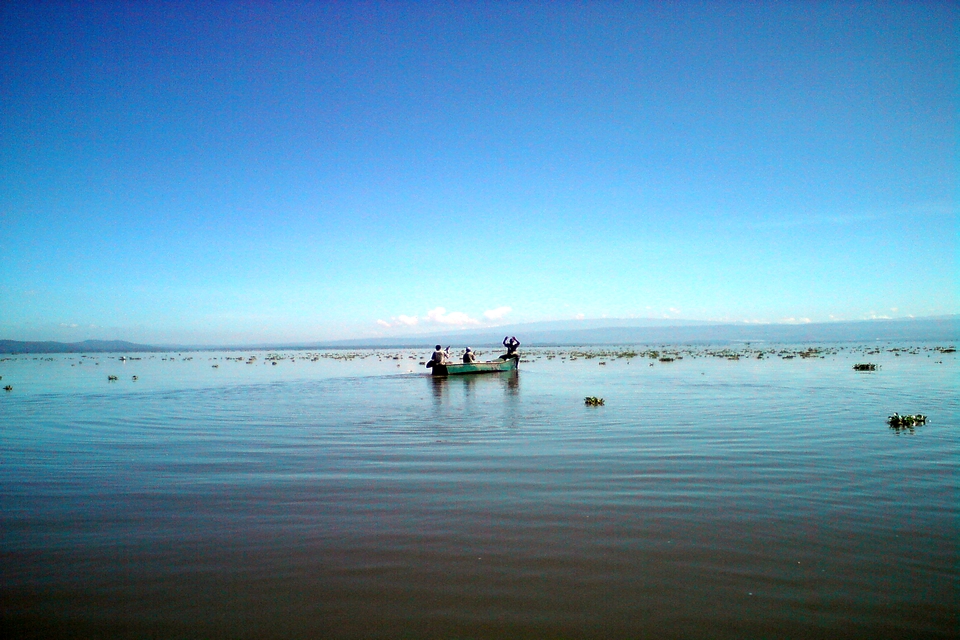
(251, 172)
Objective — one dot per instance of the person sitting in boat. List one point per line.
(468, 356)
(511, 344)
(439, 357)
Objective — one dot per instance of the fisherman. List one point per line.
(511, 344)
(468, 356)
(439, 357)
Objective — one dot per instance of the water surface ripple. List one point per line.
(706, 498)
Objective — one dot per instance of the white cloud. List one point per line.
(456, 318)
(401, 320)
(441, 316)
(579, 316)
(496, 314)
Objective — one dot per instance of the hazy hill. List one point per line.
(87, 346)
(944, 328)
(583, 332)
(866, 331)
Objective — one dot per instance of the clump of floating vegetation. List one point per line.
(899, 421)
(593, 401)
(865, 366)
(732, 353)
(608, 354)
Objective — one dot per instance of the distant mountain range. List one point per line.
(87, 346)
(584, 333)
(629, 331)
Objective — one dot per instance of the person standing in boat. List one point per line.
(468, 356)
(511, 344)
(439, 357)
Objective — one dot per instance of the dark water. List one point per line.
(338, 499)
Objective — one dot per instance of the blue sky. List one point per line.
(253, 172)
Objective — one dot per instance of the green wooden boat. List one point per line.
(455, 369)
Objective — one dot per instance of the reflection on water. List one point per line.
(472, 403)
(507, 381)
(707, 498)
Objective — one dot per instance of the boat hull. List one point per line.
(456, 369)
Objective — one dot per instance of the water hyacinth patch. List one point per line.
(897, 420)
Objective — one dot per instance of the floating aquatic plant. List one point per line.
(898, 421)
(593, 401)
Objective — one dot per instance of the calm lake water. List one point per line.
(349, 495)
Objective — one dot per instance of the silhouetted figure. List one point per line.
(511, 344)
(439, 357)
